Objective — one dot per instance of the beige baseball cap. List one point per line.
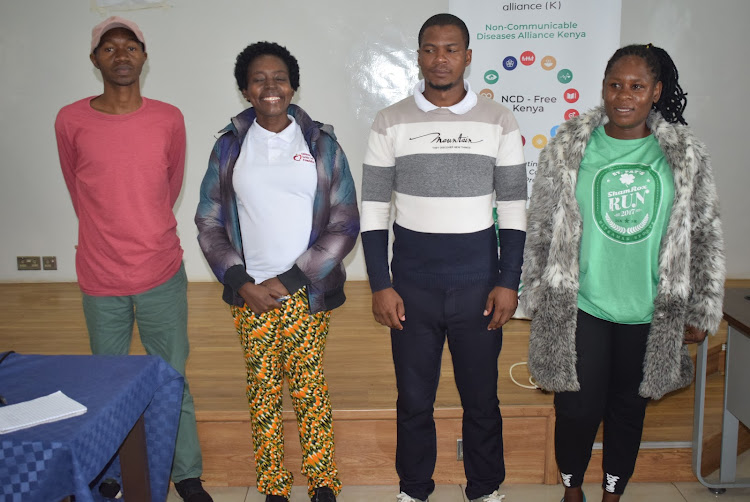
(115, 22)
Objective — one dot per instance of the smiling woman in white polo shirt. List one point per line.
(277, 215)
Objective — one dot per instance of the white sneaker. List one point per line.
(403, 497)
(492, 497)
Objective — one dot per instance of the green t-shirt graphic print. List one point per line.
(625, 191)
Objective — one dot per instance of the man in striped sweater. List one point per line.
(445, 157)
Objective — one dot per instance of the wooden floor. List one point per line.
(47, 319)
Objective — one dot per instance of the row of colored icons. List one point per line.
(564, 76)
(548, 63)
(570, 96)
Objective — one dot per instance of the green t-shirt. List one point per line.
(625, 191)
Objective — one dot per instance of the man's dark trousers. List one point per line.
(432, 314)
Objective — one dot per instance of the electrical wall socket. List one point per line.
(29, 263)
(49, 262)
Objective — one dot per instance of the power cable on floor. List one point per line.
(533, 385)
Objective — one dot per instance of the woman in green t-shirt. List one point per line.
(624, 264)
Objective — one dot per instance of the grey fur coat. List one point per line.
(691, 259)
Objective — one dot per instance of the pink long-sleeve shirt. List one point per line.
(124, 174)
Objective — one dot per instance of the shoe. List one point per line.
(191, 490)
(403, 497)
(492, 497)
(323, 494)
(276, 498)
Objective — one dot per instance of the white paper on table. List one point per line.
(42, 410)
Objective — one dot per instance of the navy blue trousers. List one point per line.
(432, 315)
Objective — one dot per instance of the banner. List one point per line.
(543, 60)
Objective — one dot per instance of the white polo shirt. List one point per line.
(275, 181)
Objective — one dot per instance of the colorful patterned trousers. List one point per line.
(288, 342)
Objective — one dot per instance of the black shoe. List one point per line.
(323, 494)
(276, 498)
(191, 490)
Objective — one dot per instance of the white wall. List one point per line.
(709, 41)
(355, 58)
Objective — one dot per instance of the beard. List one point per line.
(441, 88)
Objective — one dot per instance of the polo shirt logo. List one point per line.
(304, 157)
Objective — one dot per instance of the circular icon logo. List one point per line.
(548, 63)
(539, 141)
(553, 131)
(571, 113)
(510, 63)
(528, 58)
(571, 95)
(487, 93)
(564, 76)
(626, 200)
(297, 157)
(491, 77)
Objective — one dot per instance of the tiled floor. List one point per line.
(640, 492)
(643, 492)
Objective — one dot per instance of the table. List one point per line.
(131, 400)
(736, 391)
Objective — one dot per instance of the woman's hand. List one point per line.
(276, 287)
(259, 298)
(694, 335)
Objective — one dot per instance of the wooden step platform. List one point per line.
(47, 319)
(366, 445)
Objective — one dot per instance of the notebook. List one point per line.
(42, 410)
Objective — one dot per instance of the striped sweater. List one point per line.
(443, 170)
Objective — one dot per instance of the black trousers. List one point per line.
(610, 370)
(432, 315)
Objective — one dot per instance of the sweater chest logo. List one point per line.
(626, 201)
(439, 141)
(304, 157)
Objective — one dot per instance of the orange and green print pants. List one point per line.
(288, 342)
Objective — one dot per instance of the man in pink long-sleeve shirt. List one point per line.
(123, 157)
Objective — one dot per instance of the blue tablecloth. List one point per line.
(49, 462)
